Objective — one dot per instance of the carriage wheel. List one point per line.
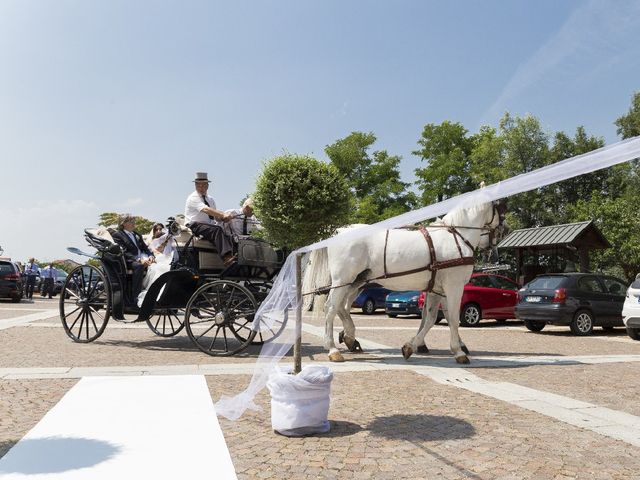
(216, 318)
(85, 304)
(166, 322)
(265, 333)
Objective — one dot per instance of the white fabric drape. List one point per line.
(282, 302)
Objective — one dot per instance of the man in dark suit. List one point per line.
(136, 253)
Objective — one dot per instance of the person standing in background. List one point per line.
(31, 271)
(49, 275)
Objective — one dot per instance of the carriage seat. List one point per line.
(208, 257)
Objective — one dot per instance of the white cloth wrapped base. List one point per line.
(300, 403)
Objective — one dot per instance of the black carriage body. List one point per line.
(195, 274)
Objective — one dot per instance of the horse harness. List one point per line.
(434, 265)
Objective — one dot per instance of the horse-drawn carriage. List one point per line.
(216, 304)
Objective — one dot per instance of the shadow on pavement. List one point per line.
(421, 428)
(55, 454)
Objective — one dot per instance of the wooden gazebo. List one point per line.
(561, 246)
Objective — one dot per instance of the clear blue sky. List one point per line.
(112, 105)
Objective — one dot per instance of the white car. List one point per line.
(631, 309)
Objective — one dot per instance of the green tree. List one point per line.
(300, 200)
(110, 219)
(373, 179)
(618, 220)
(629, 124)
(446, 149)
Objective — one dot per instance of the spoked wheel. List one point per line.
(218, 318)
(85, 304)
(166, 322)
(267, 331)
(269, 328)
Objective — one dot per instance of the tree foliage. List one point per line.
(373, 178)
(300, 200)
(457, 162)
(446, 149)
(629, 124)
(110, 219)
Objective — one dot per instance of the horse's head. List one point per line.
(495, 228)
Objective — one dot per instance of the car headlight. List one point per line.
(415, 298)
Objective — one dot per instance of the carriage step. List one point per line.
(120, 427)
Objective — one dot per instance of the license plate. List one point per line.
(395, 305)
(534, 299)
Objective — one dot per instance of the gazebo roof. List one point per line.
(584, 235)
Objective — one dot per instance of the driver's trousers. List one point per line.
(215, 234)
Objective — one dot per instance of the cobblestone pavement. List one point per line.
(394, 419)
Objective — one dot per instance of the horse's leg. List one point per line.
(429, 314)
(454, 295)
(348, 335)
(334, 301)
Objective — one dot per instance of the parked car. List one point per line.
(486, 295)
(579, 300)
(370, 299)
(631, 309)
(11, 282)
(404, 303)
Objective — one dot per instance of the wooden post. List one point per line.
(297, 347)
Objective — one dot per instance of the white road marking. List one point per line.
(26, 319)
(123, 427)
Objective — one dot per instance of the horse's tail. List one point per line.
(316, 279)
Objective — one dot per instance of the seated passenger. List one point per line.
(243, 221)
(136, 253)
(163, 246)
(202, 218)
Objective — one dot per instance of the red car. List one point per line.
(487, 296)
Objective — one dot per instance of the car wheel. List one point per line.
(582, 323)
(633, 333)
(369, 306)
(534, 326)
(470, 315)
(392, 315)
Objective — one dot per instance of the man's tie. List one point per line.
(204, 199)
(244, 226)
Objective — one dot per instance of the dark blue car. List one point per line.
(370, 299)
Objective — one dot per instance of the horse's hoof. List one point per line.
(355, 347)
(465, 349)
(422, 349)
(341, 337)
(463, 359)
(407, 351)
(336, 357)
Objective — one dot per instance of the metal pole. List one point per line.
(297, 347)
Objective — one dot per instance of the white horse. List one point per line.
(404, 260)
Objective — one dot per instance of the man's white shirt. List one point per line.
(193, 209)
(236, 224)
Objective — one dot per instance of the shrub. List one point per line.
(300, 200)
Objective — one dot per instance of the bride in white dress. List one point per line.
(164, 248)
